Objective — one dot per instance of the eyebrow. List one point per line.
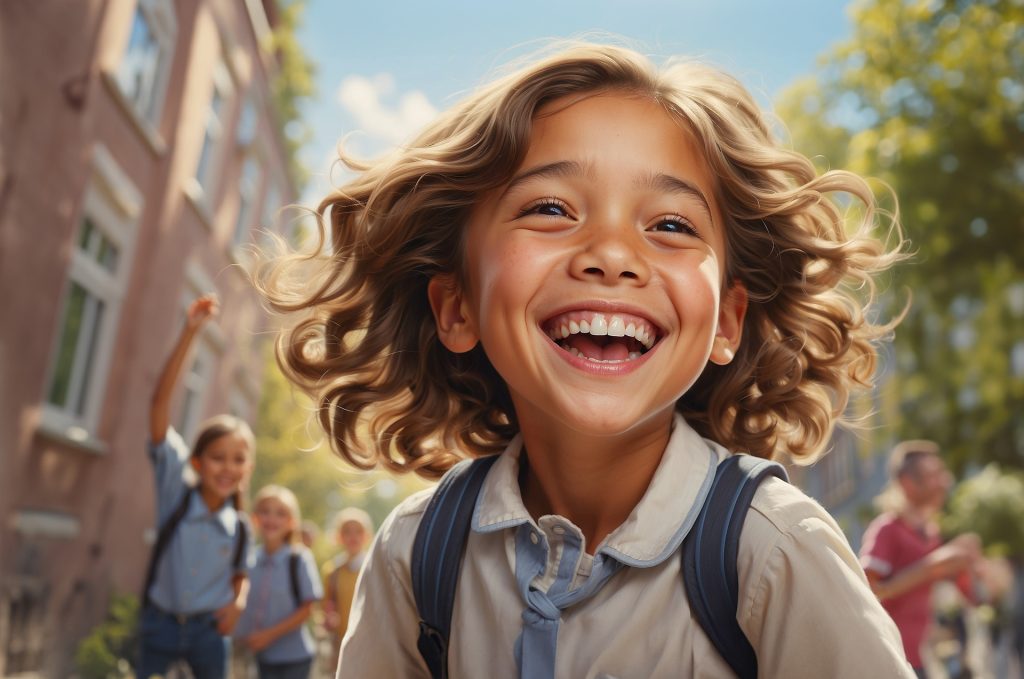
(558, 169)
(666, 183)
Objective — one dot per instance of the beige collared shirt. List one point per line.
(805, 604)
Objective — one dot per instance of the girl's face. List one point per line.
(274, 520)
(353, 536)
(225, 465)
(594, 279)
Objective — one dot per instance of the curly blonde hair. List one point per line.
(366, 348)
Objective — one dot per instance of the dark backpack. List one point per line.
(163, 538)
(708, 553)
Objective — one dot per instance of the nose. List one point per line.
(610, 256)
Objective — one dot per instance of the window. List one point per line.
(194, 383)
(142, 74)
(213, 133)
(89, 309)
(246, 131)
(247, 184)
(199, 372)
(271, 208)
(240, 404)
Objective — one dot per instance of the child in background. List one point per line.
(353, 529)
(613, 277)
(196, 583)
(284, 587)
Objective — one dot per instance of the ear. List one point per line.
(194, 461)
(731, 312)
(455, 327)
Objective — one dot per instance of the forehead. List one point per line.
(615, 117)
(272, 503)
(229, 443)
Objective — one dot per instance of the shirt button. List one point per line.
(533, 538)
(558, 530)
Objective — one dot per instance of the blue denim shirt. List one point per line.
(196, 569)
(271, 600)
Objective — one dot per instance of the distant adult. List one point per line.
(903, 553)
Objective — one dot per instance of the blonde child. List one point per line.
(353, 529)
(196, 583)
(284, 588)
(613, 278)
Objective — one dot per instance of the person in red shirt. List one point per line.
(902, 552)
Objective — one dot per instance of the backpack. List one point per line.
(163, 538)
(708, 553)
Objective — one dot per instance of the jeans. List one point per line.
(166, 638)
(290, 670)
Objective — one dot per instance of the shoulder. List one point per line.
(398, 531)
(783, 517)
(172, 445)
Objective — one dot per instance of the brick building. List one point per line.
(139, 155)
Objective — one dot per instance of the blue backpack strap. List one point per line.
(163, 538)
(709, 557)
(437, 557)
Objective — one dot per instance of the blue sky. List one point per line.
(385, 68)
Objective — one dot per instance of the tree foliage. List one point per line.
(928, 96)
(990, 504)
(293, 83)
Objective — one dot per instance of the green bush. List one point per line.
(990, 504)
(106, 652)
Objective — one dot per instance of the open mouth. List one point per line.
(602, 337)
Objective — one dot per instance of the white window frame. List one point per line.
(204, 181)
(240, 403)
(113, 204)
(248, 185)
(159, 17)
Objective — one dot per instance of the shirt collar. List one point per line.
(677, 490)
(277, 558)
(226, 516)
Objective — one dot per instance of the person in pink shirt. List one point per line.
(902, 552)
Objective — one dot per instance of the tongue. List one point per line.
(614, 350)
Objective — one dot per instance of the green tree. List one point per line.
(928, 96)
(293, 83)
(990, 504)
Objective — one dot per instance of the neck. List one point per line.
(213, 500)
(272, 545)
(918, 515)
(594, 481)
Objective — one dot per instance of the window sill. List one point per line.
(197, 197)
(59, 429)
(149, 134)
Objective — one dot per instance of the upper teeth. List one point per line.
(614, 326)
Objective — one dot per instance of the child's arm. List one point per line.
(310, 591)
(947, 561)
(260, 639)
(227, 616)
(159, 413)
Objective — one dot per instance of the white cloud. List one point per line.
(367, 100)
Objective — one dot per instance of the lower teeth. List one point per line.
(633, 355)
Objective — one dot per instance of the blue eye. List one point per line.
(547, 207)
(675, 224)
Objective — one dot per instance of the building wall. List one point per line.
(76, 493)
